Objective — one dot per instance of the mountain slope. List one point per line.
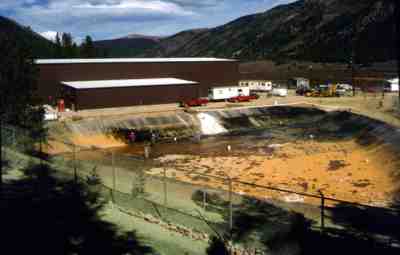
(129, 46)
(314, 30)
(41, 47)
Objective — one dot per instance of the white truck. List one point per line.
(392, 85)
(225, 93)
(280, 92)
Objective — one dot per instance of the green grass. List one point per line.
(162, 240)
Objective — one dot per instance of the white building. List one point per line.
(298, 83)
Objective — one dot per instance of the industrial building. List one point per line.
(102, 83)
(81, 95)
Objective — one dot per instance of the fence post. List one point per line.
(14, 142)
(146, 151)
(204, 199)
(165, 186)
(322, 210)
(114, 176)
(74, 160)
(230, 205)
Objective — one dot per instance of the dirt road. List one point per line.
(372, 105)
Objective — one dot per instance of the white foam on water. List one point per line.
(209, 124)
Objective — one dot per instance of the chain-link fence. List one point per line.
(214, 204)
(208, 203)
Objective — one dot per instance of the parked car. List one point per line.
(243, 98)
(194, 102)
(302, 91)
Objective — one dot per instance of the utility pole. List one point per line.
(353, 54)
(353, 85)
(397, 34)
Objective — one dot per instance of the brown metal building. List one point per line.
(80, 95)
(207, 72)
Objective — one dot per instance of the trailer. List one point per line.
(225, 93)
(257, 85)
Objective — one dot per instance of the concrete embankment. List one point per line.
(106, 132)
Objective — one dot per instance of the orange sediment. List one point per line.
(343, 170)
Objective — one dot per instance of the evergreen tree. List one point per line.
(75, 52)
(19, 104)
(88, 49)
(217, 246)
(67, 44)
(59, 50)
(18, 76)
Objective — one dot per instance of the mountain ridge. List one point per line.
(309, 30)
(40, 46)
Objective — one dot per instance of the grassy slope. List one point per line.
(163, 241)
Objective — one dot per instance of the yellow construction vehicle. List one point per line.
(323, 91)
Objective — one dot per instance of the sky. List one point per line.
(108, 19)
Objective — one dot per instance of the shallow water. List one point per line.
(245, 143)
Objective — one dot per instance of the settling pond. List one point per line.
(300, 149)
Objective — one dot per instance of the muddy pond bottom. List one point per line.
(297, 160)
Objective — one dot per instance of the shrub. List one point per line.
(93, 178)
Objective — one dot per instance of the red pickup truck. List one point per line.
(194, 102)
(243, 98)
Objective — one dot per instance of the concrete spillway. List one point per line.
(210, 125)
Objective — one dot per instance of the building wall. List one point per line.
(208, 74)
(129, 96)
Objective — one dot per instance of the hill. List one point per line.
(41, 47)
(308, 30)
(128, 46)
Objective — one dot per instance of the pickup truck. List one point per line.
(194, 102)
(243, 98)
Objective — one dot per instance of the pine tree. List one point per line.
(66, 41)
(59, 50)
(18, 76)
(88, 49)
(75, 51)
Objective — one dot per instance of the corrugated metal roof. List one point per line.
(126, 83)
(127, 60)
